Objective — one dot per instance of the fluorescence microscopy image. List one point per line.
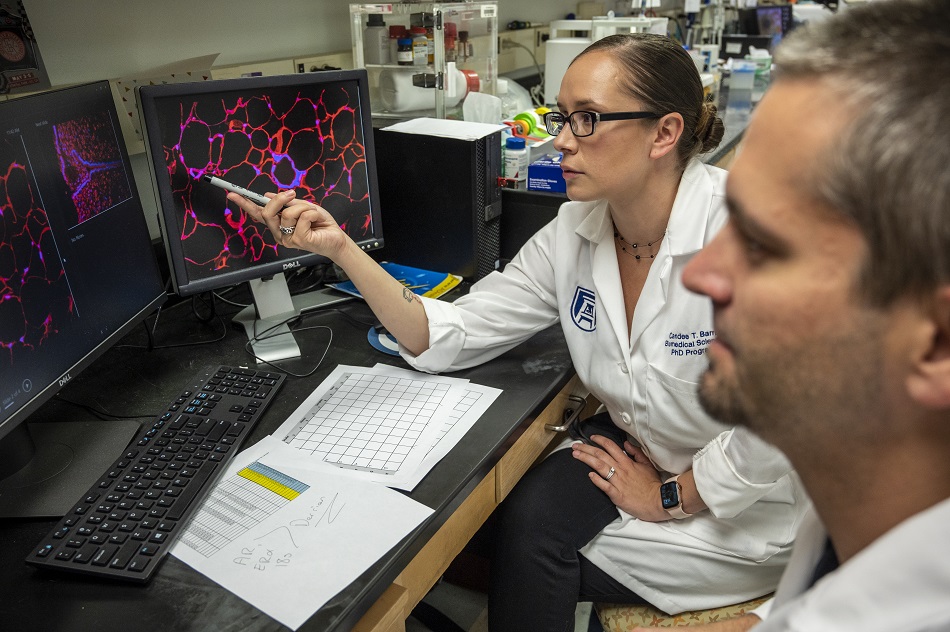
(304, 138)
(91, 165)
(35, 299)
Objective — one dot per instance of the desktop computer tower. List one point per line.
(440, 200)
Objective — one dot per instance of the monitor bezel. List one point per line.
(146, 97)
(22, 415)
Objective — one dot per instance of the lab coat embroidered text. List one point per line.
(692, 343)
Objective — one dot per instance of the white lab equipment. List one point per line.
(569, 37)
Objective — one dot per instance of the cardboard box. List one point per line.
(591, 8)
(544, 174)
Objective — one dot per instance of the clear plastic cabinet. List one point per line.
(424, 58)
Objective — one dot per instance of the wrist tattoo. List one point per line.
(409, 296)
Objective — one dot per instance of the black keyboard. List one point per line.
(126, 523)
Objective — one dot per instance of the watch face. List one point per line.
(670, 495)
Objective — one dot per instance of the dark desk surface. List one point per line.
(131, 381)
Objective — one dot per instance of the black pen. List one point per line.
(257, 198)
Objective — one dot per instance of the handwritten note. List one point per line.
(287, 539)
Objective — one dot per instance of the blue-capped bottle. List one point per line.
(516, 159)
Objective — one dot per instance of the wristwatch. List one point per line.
(672, 499)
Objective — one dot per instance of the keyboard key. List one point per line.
(104, 555)
(124, 554)
(85, 554)
(138, 564)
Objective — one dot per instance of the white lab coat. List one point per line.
(646, 379)
(901, 581)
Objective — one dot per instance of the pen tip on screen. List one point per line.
(206, 177)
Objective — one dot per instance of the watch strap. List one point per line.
(677, 512)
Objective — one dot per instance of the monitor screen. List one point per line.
(77, 266)
(769, 20)
(773, 22)
(308, 132)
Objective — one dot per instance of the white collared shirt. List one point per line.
(900, 582)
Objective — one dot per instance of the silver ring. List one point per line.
(610, 473)
(287, 230)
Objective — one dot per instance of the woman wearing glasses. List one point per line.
(678, 510)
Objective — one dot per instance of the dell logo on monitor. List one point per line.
(291, 264)
(63, 380)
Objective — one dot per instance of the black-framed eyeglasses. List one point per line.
(583, 122)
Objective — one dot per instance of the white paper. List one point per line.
(287, 539)
(375, 424)
(446, 128)
(467, 411)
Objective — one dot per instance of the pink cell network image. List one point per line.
(282, 139)
(35, 301)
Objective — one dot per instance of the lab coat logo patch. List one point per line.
(582, 309)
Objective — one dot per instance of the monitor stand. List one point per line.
(265, 321)
(46, 467)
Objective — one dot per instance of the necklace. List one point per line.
(624, 243)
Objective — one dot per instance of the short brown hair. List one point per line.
(890, 171)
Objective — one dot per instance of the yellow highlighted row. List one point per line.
(269, 483)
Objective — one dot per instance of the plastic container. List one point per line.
(510, 104)
(450, 48)
(698, 60)
(451, 35)
(516, 159)
(404, 52)
(396, 33)
(398, 94)
(376, 40)
(429, 25)
(420, 46)
(463, 48)
(739, 101)
(763, 64)
(743, 75)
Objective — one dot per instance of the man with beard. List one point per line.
(831, 294)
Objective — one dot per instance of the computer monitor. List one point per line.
(310, 132)
(78, 271)
(772, 21)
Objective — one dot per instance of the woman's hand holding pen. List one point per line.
(297, 223)
(305, 225)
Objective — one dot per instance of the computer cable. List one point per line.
(97, 412)
(537, 90)
(266, 335)
(151, 332)
(220, 295)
